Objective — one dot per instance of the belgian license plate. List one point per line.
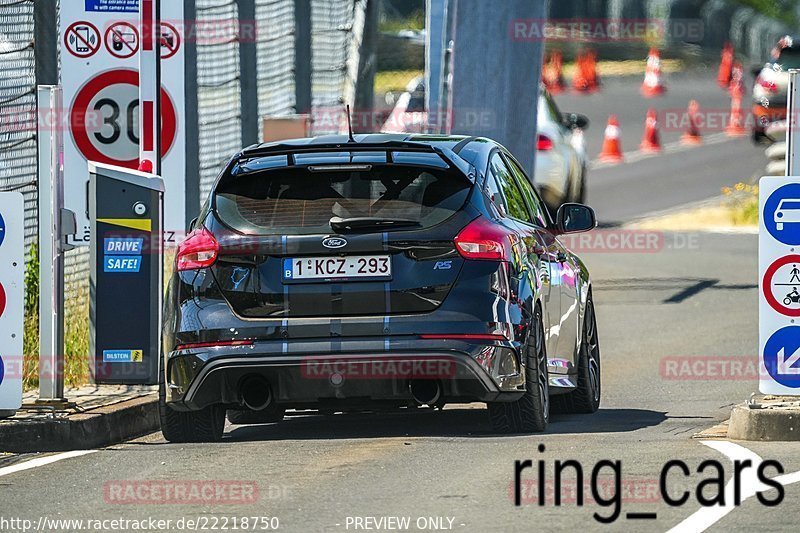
(333, 268)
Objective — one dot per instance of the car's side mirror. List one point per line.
(575, 218)
(575, 120)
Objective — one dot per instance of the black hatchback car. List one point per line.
(384, 272)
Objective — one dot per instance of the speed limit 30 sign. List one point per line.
(106, 119)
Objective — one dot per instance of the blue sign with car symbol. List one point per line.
(782, 356)
(782, 214)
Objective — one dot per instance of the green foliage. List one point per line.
(30, 341)
(783, 10)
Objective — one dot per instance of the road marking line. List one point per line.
(706, 517)
(42, 461)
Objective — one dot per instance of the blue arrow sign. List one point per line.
(2, 229)
(782, 356)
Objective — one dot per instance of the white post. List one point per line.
(792, 101)
(149, 86)
(51, 250)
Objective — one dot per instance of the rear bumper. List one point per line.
(197, 379)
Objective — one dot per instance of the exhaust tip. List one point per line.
(255, 393)
(425, 391)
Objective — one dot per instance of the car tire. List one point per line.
(206, 425)
(269, 415)
(586, 398)
(531, 413)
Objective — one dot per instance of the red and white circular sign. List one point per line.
(2, 300)
(170, 40)
(82, 39)
(104, 119)
(122, 39)
(781, 285)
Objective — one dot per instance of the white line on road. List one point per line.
(41, 461)
(706, 517)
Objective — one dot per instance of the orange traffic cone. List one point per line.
(692, 134)
(652, 86)
(579, 81)
(612, 148)
(725, 65)
(737, 78)
(592, 77)
(736, 125)
(651, 141)
(552, 75)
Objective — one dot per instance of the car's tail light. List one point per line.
(544, 143)
(199, 250)
(217, 344)
(768, 85)
(484, 241)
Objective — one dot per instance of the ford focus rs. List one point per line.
(381, 272)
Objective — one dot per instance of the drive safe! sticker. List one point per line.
(122, 255)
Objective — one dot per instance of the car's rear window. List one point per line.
(299, 201)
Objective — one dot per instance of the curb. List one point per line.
(764, 424)
(92, 429)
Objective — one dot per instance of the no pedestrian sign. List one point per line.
(779, 285)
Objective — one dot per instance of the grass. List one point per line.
(738, 208)
(394, 80)
(742, 202)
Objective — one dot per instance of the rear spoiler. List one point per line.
(447, 155)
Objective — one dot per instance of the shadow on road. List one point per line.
(467, 422)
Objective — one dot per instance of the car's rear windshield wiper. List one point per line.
(355, 223)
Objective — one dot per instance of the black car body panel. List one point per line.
(356, 342)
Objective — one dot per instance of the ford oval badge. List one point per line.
(334, 242)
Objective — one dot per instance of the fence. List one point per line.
(18, 106)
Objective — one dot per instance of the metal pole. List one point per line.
(436, 24)
(248, 68)
(150, 86)
(45, 24)
(51, 253)
(368, 63)
(302, 56)
(192, 119)
(792, 100)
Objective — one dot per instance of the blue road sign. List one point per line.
(781, 214)
(782, 356)
(2, 370)
(2, 229)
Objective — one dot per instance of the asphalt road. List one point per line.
(660, 311)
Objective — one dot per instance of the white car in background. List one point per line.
(560, 168)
